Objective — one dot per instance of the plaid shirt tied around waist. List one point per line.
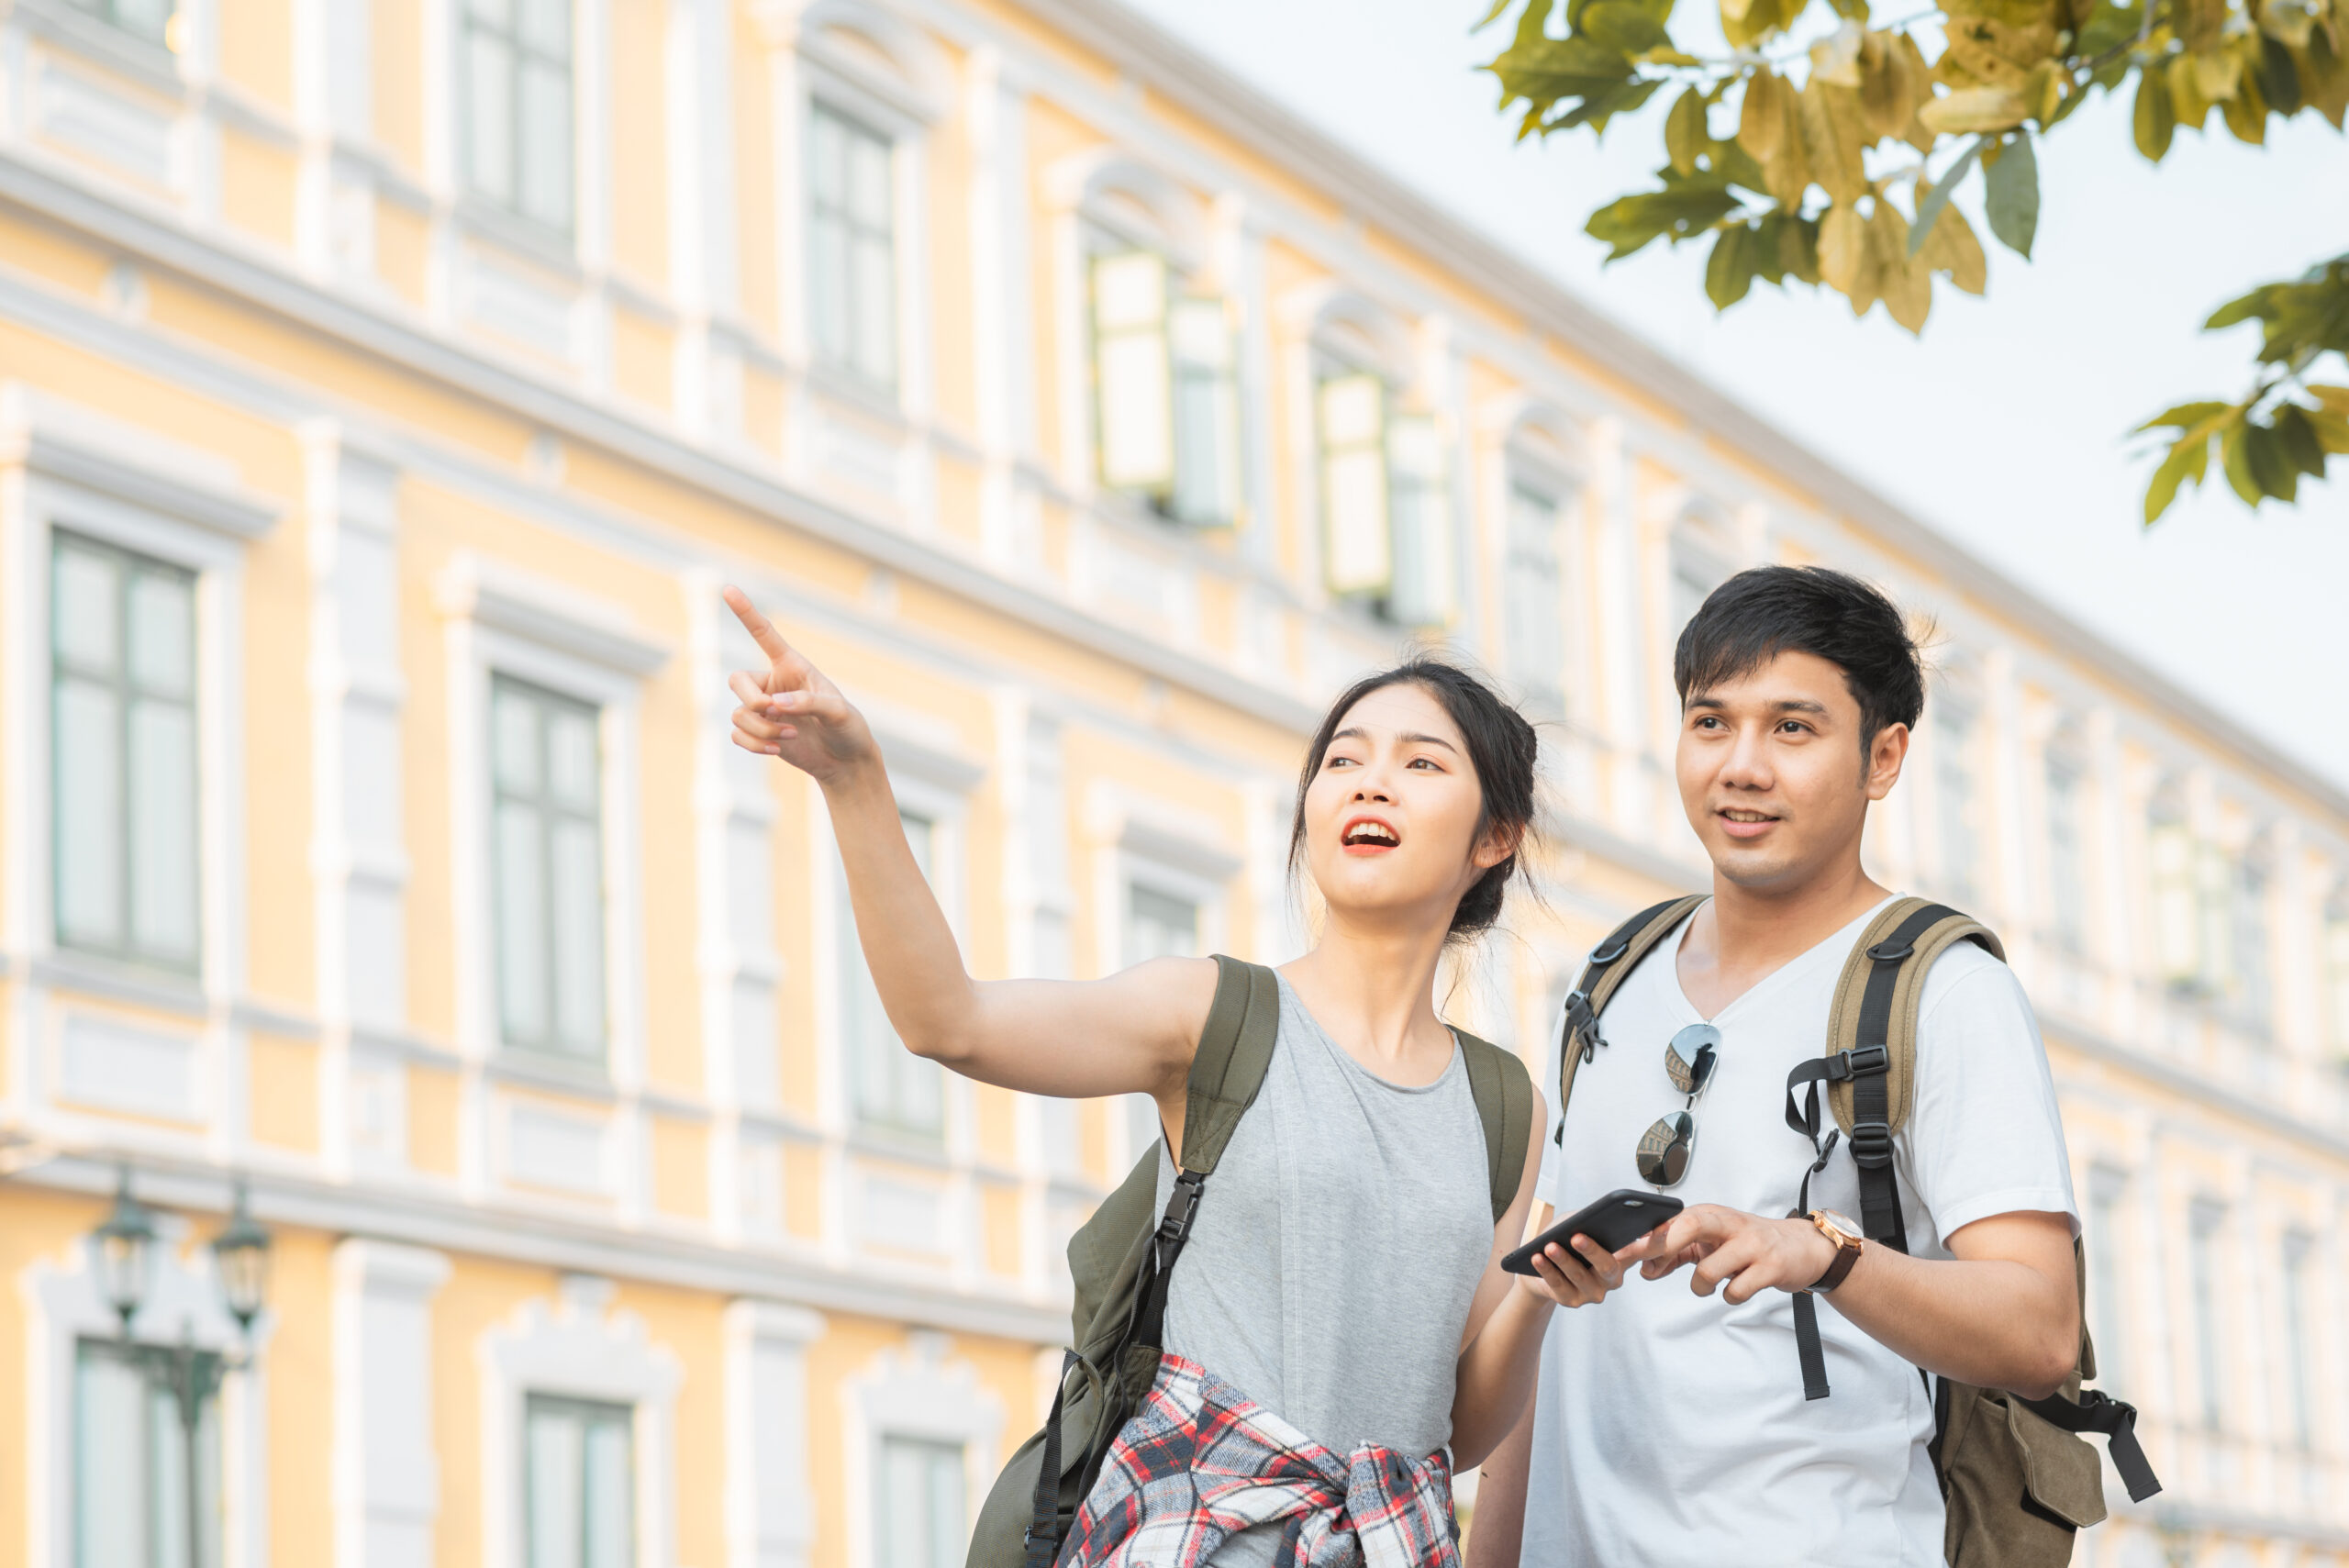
(1201, 1461)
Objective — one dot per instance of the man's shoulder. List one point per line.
(1970, 973)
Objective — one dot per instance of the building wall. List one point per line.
(257, 317)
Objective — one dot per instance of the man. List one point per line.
(1670, 1425)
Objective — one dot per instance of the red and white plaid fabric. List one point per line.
(1200, 1462)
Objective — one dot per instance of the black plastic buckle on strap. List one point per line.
(1846, 1065)
(1181, 1208)
(1602, 957)
(1871, 1144)
(1884, 953)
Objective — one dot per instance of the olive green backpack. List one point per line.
(1121, 1257)
(2017, 1479)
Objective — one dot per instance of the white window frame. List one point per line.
(920, 1393)
(123, 484)
(2060, 759)
(1333, 330)
(500, 620)
(574, 1349)
(898, 84)
(66, 1306)
(563, 234)
(1527, 482)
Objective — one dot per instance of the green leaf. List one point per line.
(2012, 187)
(2155, 121)
(1683, 209)
(1623, 25)
(2331, 430)
(2185, 417)
(1603, 104)
(2188, 458)
(2296, 435)
(2280, 78)
(2271, 469)
(2235, 458)
(1493, 16)
(1686, 136)
(1729, 271)
(1929, 210)
(2107, 27)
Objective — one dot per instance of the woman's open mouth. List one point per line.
(1368, 835)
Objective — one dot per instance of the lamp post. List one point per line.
(124, 1250)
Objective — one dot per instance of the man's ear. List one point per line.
(1886, 752)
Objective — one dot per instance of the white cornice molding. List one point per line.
(492, 594)
(93, 451)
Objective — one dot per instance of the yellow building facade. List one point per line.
(387, 387)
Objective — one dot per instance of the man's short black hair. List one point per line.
(1769, 610)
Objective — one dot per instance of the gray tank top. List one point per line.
(1337, 1248)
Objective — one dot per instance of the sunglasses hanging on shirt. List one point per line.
(1664, 1149)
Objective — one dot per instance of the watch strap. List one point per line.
(1847, 1252)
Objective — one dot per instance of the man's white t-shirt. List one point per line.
(1671, 1428)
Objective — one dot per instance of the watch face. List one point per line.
(1842, 1224)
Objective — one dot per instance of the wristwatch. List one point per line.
(1848, 1242)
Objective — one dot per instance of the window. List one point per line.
(1954, 781)
(1164, 398)
(132, 1469)
(149, 19)
(123, 716)
(579, 1508)
(894, 1090)
(1532, 625)
(2102, 1242)
(921, 1522)
(2177, 925)
(2252, 984)
(1358, 552)
(2066, 853)
(1158, 925)
(2336, 969)
(547, 852)
(2202, 1242)
(516, 82)
(1420, 515)
(2298, 1368)
(851, 252)
(1694, 574)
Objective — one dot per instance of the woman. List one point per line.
(1341, 1291)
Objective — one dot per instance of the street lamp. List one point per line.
(191, 1376)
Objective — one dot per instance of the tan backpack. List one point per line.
(2017, 1479)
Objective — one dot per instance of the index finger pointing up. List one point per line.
(762, 629)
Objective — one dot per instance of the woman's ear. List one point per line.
(1497, 844)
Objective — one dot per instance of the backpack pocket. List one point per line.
(2016, 1487)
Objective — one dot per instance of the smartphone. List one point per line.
(1615, 1222)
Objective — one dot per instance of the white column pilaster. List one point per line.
(769, 1507)
(387, 1474)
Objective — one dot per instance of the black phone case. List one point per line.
(1615, 1222)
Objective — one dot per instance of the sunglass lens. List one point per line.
(1689, 1059)
(1663, 1157)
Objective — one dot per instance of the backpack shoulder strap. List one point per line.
(1610, 962)
(1503, 1090)
(1872, 1027)
(1235, 1048)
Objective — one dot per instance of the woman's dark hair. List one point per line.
(1769, 610)
(1501, 748)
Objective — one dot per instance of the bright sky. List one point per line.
(2006, 425)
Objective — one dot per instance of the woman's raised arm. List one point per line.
(1133, 1031)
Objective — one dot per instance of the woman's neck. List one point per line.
(1371, 988)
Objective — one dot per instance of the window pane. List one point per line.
(1137, 417)
(83, 609)
(489, 116)
(148, 18)
(1533, 634)
(1352, 410)
(499, 14)
(874, 304)
(545, 144)
(921, 1504)
(557, 1511)
(1129, 290)
(827, 161)
(946, 1508)
(611, 1510)
(827, 323)
(514, 741)
(571, 758)
(89, 848)
(1953, 772)
(521, 923)
(1159, 924)
(1360, 553)
(868, 182)
(162, 623)
(546, 29)
(162, 830)
(579, 935)
(110, 1458)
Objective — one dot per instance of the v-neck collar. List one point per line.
(1794, 968)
